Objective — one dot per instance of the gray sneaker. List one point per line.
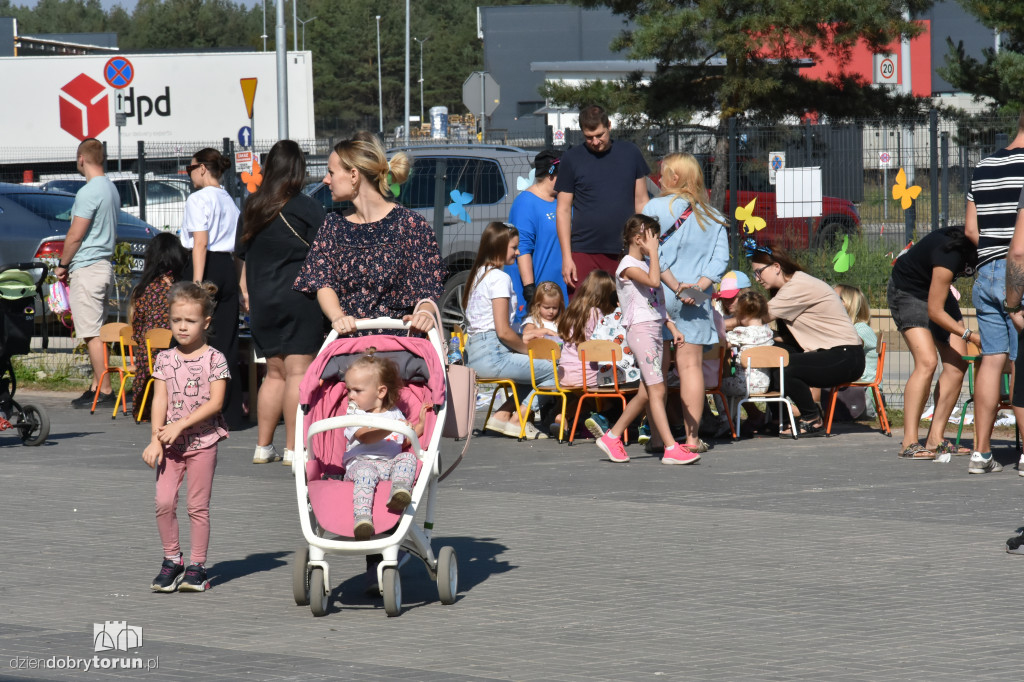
(983, 463)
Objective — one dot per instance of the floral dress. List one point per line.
(379, 269)
(151, 312)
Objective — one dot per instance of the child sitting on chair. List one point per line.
(752, 330)
(374, 455)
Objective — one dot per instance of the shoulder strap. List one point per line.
(679, 223)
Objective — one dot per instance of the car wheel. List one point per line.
(452, 312)
(830, 234)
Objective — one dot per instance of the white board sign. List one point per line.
(798, 192)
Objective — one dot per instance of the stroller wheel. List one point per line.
(392, 592)
(300, 576)
(32, 423)
(318, 596)
(447, 575)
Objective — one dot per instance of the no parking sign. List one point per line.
(884, 160)
(776, 162)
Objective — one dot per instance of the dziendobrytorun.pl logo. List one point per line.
(111, 635)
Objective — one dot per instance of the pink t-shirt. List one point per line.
(188, 386)
(639, 303)
(570, 371)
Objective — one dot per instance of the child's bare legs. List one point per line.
(634, 408)
(656, 409)
(689, 358)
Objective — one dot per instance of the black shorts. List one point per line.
(908, 311)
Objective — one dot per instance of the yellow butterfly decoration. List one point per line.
(751, 222)
(905, 194)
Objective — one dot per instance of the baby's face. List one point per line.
(364, 389)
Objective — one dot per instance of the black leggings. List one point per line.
(822, 369)
(223, 333)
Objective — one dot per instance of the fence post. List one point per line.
(549, 137)
(933, 171)
(734, 239)
(944, 150)
(142, 180)
(909, 215)
(231, 188)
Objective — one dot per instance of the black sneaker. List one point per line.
(105, 400)
(84, 401)
(195, 579)
(171, 573)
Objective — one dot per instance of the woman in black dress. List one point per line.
(277, 227)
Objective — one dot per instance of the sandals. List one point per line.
(805, 427)
(916, 451)
(947, 448)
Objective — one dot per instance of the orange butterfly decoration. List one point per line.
(904, 194)
(253, 180)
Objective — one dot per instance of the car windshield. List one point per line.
(64, 185)
(48, 206)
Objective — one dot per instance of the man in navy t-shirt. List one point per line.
(599, 185)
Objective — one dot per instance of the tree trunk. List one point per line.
(719, 179)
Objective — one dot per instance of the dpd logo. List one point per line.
(84, 107)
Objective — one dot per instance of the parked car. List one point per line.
(34, 222)
(490, 173)
(165, 195)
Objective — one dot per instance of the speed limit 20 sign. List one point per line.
(886, 70)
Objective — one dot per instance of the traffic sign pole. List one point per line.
(483, 109)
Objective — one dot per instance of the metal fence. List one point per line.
(461, 186)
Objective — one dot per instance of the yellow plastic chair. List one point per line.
(156, 339)
(545, 349)
(128, 345)
(506, 385)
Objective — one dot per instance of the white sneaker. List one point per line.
(1020, 466)
(289, 455)
(980, 464)
(265, 454)
(509, 428)
(532, 433)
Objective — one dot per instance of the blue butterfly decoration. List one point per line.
(524, 183)
(458, 206)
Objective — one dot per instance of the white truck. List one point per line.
(175, 102)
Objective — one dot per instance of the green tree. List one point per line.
(739, 58)
(999, 76)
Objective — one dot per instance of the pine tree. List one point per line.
(999, 76)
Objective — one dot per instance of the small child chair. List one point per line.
(767, 357)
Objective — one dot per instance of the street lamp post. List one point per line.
(304, 31)
(380, 83)
(421, 41)
(295, 25)
(264, 36)
(405, 124)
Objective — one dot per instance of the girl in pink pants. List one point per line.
(189, 386)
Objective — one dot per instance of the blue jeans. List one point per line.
(491, 358)
(998, 335)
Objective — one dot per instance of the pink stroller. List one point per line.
(325, 501)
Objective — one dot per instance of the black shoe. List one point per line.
(171, 573)
(105, 400)
(195, 579)
(83, 401)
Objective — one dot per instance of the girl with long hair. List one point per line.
(278, 225)
(693, 254)
(493, 348)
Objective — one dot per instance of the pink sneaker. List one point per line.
(613, 448)
(679, 454)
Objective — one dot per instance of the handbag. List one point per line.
(59, 302)
(460, 395)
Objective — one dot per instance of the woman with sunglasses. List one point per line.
(208, 233)
(824, 347)
(925, 310)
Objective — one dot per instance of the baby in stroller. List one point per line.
(374, 455)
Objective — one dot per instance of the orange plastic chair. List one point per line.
(599, 350)
(156, 339)
(718, 352)
(109, 333)
(127, 344)
(876, 395)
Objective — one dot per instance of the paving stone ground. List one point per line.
(823, 559)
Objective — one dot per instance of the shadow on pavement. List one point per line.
(226, 571)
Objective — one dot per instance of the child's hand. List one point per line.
(153, 455)
(650, 242)
(678, 338)
(424, 408)
(169, 433)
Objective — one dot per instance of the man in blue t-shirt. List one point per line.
(85, 263)
(600, 185)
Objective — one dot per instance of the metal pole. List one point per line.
(264, 36)
(380, 85)
(304, 31)
(933, 142)
(295, 26)
(405, 123)
(421, 75)
(281, 48)
(733, 194)
(944, 147)
(483, 107)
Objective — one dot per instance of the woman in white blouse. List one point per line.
(208, 232)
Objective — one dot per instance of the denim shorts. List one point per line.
(491, 358)
(908, 311)
(998, 335)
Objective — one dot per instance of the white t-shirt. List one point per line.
(211, 210)
(638, 303)
(387, 448)
(546, 324)
(495, 283)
